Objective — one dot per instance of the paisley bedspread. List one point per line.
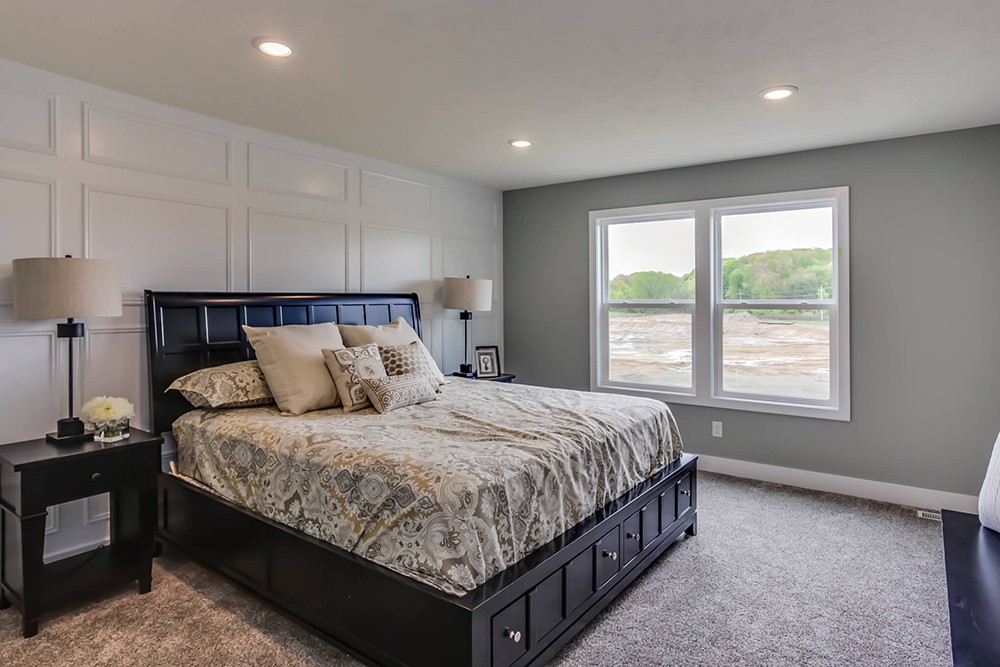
(448, 492)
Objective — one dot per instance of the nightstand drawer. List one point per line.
(94, 475)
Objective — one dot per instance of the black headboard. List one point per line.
(191, 330)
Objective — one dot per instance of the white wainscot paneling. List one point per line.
(31, 398)
(294, 253)
(396, 260)
(462, 257)
(27, 222)
(403, 201)
(27, 119)
(463, 211)
(126, 140)
(286, 173)
(159, 243)
(114, 364)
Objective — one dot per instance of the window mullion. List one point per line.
(703, 344)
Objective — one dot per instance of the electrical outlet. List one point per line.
(716, 429)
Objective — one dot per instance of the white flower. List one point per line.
(106, 408)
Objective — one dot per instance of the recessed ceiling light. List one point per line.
(272, 47)
(778, 93)
(519, 143)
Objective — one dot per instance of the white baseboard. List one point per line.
(910, 496)
(51, 557)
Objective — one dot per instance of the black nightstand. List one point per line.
(37, 474)
(503, 377)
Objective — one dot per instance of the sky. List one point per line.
(668, 246)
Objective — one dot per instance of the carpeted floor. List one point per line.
(776, 576)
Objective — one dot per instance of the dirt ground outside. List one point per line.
(763, 355)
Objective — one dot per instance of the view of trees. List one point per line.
(802, 273)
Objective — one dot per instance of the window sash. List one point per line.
(709, 305)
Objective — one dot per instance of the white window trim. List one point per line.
(706, 387)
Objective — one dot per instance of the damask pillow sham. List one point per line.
(398, 332)
(292, 360)
(349, 366)
(396, 391)
(238, 385)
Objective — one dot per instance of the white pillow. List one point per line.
(292, 360)
(989, 495)
(399, 332)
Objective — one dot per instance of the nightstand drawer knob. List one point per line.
(611, 555)
(512, 635)
(685, 492)
(633, 536)
(96, 477)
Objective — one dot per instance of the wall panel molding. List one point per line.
(161, 139)
(465, 214)
(34, 416)
(52, 227)
(97, 509)
(26, 102)
(320, 179)
(52, 520)
(90, 191)
(396, 262)
(310, 245)
(395, 195)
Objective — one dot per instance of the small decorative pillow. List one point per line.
(397, 332)
(397, 391)
(403, 359)
(239, 385)
(348, 368)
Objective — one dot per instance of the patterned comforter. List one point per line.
(449, 492)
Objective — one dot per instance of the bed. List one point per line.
(511, 605)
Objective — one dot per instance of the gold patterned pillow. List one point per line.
(396, 391)
(239, 385)
(403, 359)
(348, 367)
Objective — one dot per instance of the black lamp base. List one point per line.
(68, 431)
(466, 370)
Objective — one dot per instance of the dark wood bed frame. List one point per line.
(522, 616)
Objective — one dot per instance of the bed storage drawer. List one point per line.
(684, 492)
(633, 538)
(510, 633)
(579, 580)
(650, 522)
(607, 556)
(668, 507)
(545, 607)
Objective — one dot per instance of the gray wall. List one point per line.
(925, 319)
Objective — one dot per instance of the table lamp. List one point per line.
(468, 294)
(48, 288)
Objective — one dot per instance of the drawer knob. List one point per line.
(633, 536)
(685, 492)
(512, 635)
(96, 477)
(611, 555)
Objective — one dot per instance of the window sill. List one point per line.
(731, 403)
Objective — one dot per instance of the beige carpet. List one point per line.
(776, 576)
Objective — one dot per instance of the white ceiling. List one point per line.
(602, 86)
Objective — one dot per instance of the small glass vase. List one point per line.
(111, 431)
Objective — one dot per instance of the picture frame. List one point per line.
(487, 361)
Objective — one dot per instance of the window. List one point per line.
(738, 303)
